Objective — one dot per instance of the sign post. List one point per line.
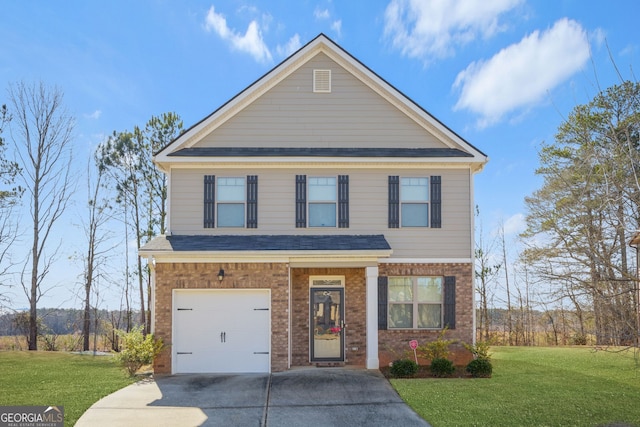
(414, 344)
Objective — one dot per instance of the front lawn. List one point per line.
(58, 379)
(534, 386)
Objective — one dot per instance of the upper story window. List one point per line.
(415, 202)
(230, 201)
(231, 196)
(415, 302)
(322, 202)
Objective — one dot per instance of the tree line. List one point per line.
(38, 175)
(576, 259)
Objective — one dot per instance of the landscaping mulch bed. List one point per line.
(424, 372)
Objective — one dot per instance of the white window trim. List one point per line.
(313, 278)
(310, 202)
(401, 203)
(218, 202)
(415, 305)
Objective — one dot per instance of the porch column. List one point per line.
(372, 318)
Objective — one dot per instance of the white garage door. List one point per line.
(221, 331)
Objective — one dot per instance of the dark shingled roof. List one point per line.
(268, 243)
(317, 152)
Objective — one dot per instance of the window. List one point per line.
(229, 201)
(322, 202)
(414, 202)
(415, 302)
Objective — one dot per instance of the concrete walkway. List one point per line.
(303, 397)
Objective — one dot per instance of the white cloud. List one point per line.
(515, 225)
(292, 45)
(429, 30)
(336, 26)
(321, 13)
(251, 42)
(520, 75)
(95, 115)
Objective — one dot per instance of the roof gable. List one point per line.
(283, 101)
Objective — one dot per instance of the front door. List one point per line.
(327, 324)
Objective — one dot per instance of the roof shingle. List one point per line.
(237, 243)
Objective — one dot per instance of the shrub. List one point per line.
(138, 350)
(438, 349)
(404, 368)
(579, 339)
(480, 368)
(441, 367)
(480, 350)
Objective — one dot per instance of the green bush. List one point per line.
(438, 349)
(404, 368)
(441, 367)
(480, 350)
(480, 368)
(137, 350)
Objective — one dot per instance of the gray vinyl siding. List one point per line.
(367, 208)
(291, 115)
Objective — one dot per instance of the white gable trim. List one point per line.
(320, 44)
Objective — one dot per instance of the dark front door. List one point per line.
(327, 324)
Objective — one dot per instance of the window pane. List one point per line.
(231, 190)
(429, 316)
(231, 215)
(414, 189)
(430, 289)
(401, 316)
(322, 214)
(322, 189)
(400, 289)
(415, 214)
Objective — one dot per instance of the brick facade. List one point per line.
(272, 276)
(393, 344)
(355, 313)
(275, 276)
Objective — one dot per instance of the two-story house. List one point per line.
(318, 217)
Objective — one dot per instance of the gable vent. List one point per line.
(322, 81)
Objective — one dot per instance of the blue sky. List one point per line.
(502, 73)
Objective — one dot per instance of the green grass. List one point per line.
(58, 379)
(534, 386)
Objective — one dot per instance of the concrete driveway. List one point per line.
(302, 397)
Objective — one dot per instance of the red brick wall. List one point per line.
(355, 313)
(274, 276)
(393, 344)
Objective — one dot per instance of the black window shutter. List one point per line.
(252, 201)
(383, 285)
(301, 201)
(394, 202)
(436, 202)
(343, 201)
(209, 201)
(450, 302)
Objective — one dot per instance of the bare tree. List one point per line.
(507, 284)
(486, 273)
(9, 195)
(96, 240)
(42, 132)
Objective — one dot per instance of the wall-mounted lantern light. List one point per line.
(220, 275)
